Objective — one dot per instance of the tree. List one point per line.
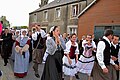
(5, 22)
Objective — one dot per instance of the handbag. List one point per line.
(36, 54)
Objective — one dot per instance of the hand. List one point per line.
(76, 60)
(119, 66)
(70, 62)
(1, 39)
(114, 58)
(57, 40)
(105, 70)
(20, 51)
(93, 49)
(116, 67)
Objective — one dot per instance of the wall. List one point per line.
(103, 12)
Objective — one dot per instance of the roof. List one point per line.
(55, 3)
(85, 9)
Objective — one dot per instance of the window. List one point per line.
(45, 15)
(74, 10)
(73, 30)
(57, 14)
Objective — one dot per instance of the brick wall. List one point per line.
(103, 12)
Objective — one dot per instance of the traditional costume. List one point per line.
(86, 60)
(70, 69)
(13, 47)
(53, 65)
(104, 61)
(21, 58)
(6, 46)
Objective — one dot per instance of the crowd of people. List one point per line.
(65, 57)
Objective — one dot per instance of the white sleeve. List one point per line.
(83, 42)
(112, 62)
(99, 54)
(67, 50)
(34, 37)
(77, 50)
(94, 45)
(119, 56)
(43, 34)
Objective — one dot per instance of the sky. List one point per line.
(17, 11)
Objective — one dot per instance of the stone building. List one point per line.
(62, 13)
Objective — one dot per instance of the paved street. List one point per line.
(9, 75)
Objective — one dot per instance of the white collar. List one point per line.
(115, 45)
(104, 37)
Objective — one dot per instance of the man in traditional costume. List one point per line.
(6, 45)
(39, 38)
(114, 55)
(102, 70)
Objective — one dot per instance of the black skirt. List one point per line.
(53, 67)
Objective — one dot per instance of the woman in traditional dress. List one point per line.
(13, 47)
(53, 66)
(86, 60)
(71, 57)
(22, 55)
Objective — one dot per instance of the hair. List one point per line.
(30, 31)
(89, 35)
(1, 22)
(72, 35)
(51, 33)
(116, 35)
(6, 28)
(108, 32)
(38, 25)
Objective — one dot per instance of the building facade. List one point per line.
(103, 14)
(61, 13)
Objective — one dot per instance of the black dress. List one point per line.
(53, 66)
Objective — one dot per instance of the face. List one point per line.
(73, 38)
(17, 32)
(6, 31)
(89, 38)
(56, 32)
(30, 32)
(64, 35)
(115, 39)
(24, 33)
(110, 37)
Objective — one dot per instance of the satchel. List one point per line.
(37, 57)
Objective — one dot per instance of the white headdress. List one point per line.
(22, 31)
(51, 29)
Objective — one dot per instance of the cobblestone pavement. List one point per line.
(9, 75)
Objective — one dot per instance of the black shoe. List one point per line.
(62, 78)
(5, 64)
(1, 73)
(77, 77)
(33, 68)
(37, 75)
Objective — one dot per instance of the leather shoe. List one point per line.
(33, 68)
(5, 64)
(77, 77)
(37, 75)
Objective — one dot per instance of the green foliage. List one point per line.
(24, 27)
